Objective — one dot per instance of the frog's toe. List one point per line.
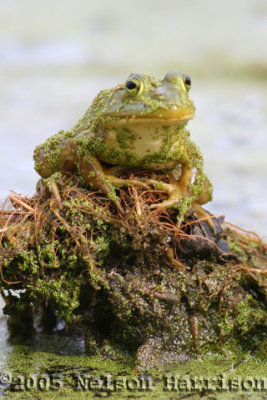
(173, 200)
(119, 207)
(55, 191)
(166, 187)
(164, 204)
(173, 190)
(126, 182)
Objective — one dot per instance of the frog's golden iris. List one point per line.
(134, 86)
(137, 124)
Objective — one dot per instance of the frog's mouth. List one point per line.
(173, 115)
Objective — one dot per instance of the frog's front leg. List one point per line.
(94, 174)
(177, 189)
(191, 189)
(191, 185)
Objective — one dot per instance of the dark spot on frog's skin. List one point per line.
(140, 137)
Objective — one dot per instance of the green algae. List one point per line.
(218, 377)
(139, 281)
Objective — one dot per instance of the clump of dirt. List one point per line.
(145, 281)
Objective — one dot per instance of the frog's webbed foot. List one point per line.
(177, 189)
(173, 190)
(185, 190)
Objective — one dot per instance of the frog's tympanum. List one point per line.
(140, 124)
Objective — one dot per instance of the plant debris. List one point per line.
(143, 281)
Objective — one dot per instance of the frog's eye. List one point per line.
(178, 77)
(187, 82)
(133, 86)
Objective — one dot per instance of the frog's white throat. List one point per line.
(144, 137)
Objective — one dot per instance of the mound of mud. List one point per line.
(145, 281)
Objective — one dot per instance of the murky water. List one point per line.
(56, 55)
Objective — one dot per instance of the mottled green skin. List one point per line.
(142, 127)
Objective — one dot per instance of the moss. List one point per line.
(125, 138)
(23, 361)
(127, 278)
(62, 293)
(249, 315)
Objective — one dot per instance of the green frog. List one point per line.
(139, 124)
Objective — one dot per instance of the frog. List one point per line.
(139, 124)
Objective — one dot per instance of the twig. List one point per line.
(14, 198)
